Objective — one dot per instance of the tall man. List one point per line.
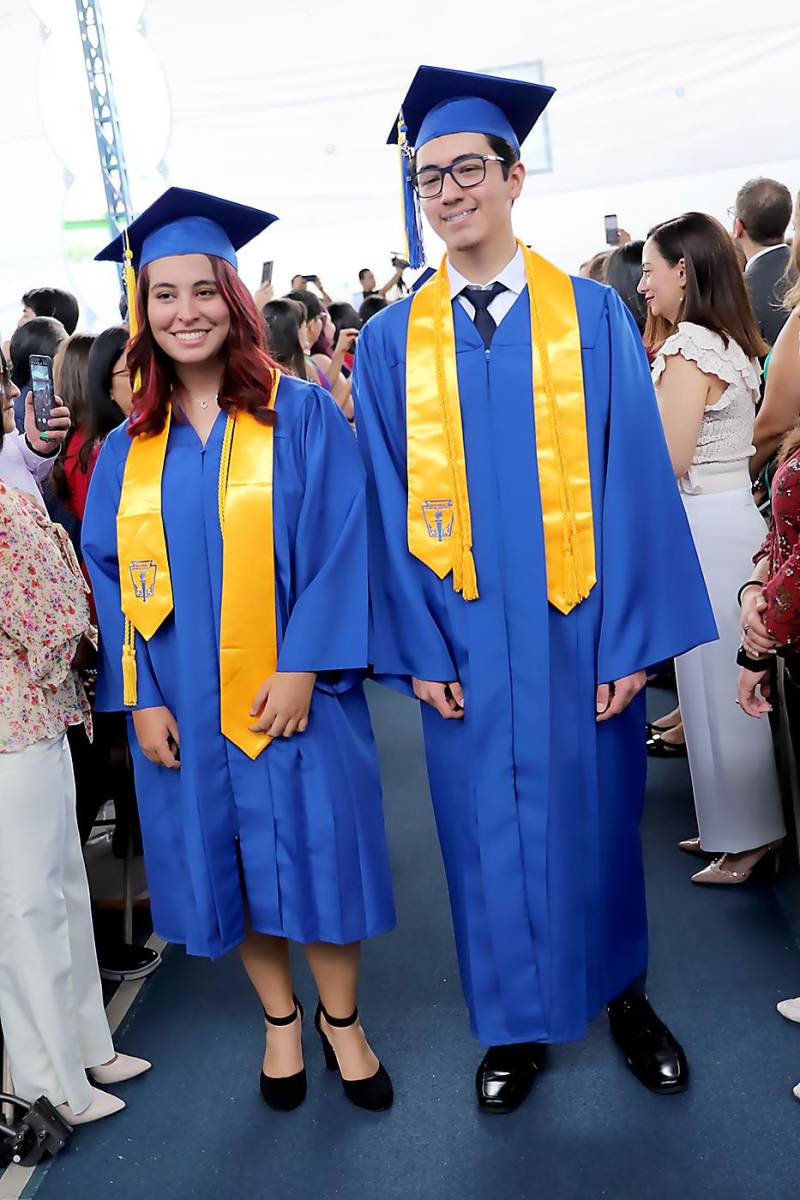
(529, 558)
(762, 213)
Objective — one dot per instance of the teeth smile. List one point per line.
(190, 335)
(466, 212)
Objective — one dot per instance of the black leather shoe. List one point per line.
(506, 1075)
(123, 962)
(658, 748)
(654, 1056)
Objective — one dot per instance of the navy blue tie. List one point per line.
(480, 299)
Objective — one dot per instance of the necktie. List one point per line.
(480, 299)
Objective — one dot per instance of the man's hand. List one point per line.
(614, 698)
(282, 703)
(746, 691)
(756, 640)
(446, 698)
(157, 735)
(57, 427)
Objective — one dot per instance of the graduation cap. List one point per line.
(182, 221)
(441, 102)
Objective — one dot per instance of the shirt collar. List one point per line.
(766, 250)
(512, 276)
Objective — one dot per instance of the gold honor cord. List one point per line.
(439, 522)
(248, 627)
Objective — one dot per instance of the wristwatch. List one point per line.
(743, 659)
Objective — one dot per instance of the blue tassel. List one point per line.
(415, 248)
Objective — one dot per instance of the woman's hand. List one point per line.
(47, 443)
(263, 294)
(346, 340)
(614, 698)
(746, 691)
(446, 698)
(157, 735)
(282, 703)
(85, 656)
(757, 642)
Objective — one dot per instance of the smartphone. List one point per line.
(399, 263)
(612, 229)
(266, 272)
(41, 368)
(310, 278)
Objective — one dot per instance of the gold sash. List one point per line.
(439, 523)
(248, 630)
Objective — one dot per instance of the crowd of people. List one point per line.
(110, 517)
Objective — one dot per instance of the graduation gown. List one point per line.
(303, 822)
(537, 806)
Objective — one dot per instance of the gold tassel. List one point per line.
(129, 682)
(130, 284)
(469, 577)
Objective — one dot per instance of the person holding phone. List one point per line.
(225, 537)
(521, 504)
(27, 459)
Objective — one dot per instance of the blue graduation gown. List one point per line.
(537, 806)
(305, 818)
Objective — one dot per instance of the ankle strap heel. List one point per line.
(286, 1092)
(375, 1093)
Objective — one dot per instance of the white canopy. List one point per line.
(288, 106)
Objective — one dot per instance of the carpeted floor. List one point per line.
(196, 1127)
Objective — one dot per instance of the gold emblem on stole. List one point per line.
(439, 515)
(143, 577)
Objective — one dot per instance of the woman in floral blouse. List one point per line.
(51, 1001)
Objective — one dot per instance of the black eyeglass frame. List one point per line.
(442, 171)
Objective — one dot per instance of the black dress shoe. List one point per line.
(506, 1075)
(123, 962)
(652, 1053)
(658, 748)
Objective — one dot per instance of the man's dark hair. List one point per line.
(623, 273)
(504, 150)
(42, 335)
(53, 302)
(313, 305)
(371, 305)
(764, 206)
(364, 271)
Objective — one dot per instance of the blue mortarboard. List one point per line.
(441, 102)
(182, 221)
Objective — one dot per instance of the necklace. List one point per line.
(205, 403)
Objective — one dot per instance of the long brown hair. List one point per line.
(248, 375)
(715, 294)
(71, 382)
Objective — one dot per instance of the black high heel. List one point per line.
(289, 1092)
(375, 1093)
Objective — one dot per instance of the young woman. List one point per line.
(325, 369)
(51, 1001)
(284, 320)
(71, 377)
(229, 514)
(702, 329)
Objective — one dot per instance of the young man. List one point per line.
(529, 558)
(762, 214)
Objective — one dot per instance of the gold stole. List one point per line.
(439, 523)
(248, 630)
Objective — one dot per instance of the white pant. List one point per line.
(51, 999)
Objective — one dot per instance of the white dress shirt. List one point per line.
(512, 277)
(760, 253)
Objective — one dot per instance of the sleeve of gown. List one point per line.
(655, 603)
(99, 546)
(327, 628)
(406, 636)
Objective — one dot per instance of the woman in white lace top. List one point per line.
(706, 342)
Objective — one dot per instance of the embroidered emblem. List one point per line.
(439, 516)
(143, 577)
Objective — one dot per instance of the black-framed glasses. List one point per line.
(5, 375)
(467, 171)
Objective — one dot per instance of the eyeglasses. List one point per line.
(5, 375)
(467, 172)
(122, 371)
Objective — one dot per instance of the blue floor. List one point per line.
(196, 1127)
